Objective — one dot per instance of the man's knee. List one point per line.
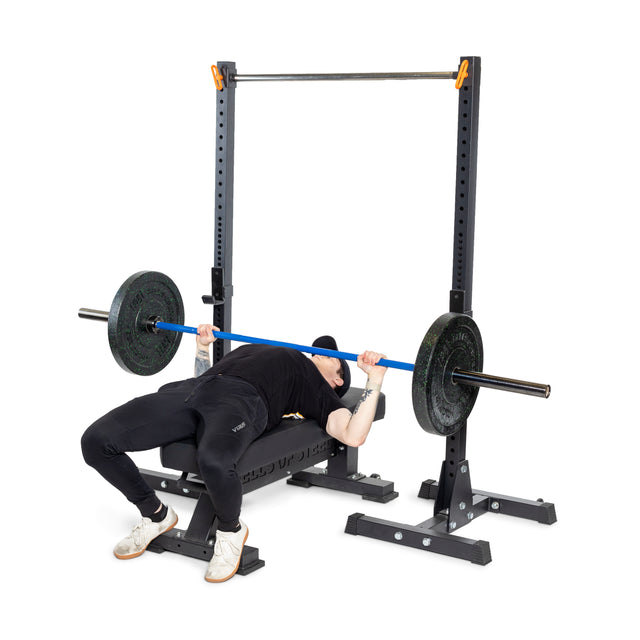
(94, 444)
(215, 467)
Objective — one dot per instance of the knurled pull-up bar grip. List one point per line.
(446, 375)
(458, 76)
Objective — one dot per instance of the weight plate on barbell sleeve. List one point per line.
(145, 295)
(440, 405)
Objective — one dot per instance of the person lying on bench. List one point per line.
(225, 408)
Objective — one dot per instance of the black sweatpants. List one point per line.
(224, 414)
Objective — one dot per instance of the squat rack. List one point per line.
(454, 487)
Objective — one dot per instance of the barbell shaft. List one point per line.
(470, 378)
(223, 335)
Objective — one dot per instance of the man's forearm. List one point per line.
(359, 425)
(203, 361)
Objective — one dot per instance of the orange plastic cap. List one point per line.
(217, 77)
(462, 73)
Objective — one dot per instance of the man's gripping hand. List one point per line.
(205, 335)
(368, 362)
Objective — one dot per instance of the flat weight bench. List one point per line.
(288, 451)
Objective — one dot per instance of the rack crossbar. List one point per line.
(292, 77)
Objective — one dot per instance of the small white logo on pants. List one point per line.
(242, 425)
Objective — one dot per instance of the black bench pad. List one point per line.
(288, 437)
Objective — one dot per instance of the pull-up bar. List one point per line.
(441, 75)
(458, 76)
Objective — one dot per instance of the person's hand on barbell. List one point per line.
(368, 362)
(205, 335)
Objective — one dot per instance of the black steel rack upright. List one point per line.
(456, 503)
(221, 272)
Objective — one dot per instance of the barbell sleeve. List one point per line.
(470, 378)
(94, 314)
(475, 379)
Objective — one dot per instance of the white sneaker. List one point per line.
(143, 533)
(226, 554)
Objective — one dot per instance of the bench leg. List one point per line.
(175, 541)
(198, 540)
(342, 474)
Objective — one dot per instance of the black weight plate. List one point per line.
(145, 295)
(440, 405)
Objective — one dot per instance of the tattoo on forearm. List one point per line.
(202, 362)
(363, 399)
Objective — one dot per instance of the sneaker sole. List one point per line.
(139, 553)
(233, 573)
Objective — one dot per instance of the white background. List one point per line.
(343, 224)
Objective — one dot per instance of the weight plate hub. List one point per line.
(146, 295)
(453, 342)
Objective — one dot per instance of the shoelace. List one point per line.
(224, 548)
(138, 533)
